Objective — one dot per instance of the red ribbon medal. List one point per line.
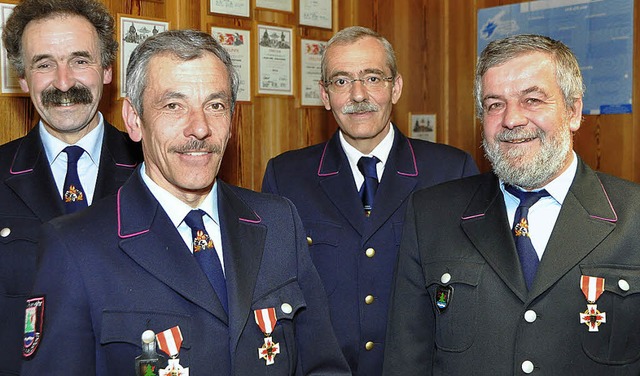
(266, 320)
(592, 288)
(169, 342)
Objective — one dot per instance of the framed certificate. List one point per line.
(316, 13)
(230, 7)
(310, 71)
(281, 5)
(275, 60)
(131, 32)
(8, 76)
(237, 42)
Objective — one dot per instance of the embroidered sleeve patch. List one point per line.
(33, 318)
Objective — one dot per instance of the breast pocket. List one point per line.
(617, 340)
(456, 323)
(324, 241)
(287, 302)
(18, 247)
(121, 334)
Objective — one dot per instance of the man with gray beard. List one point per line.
(62, 52)
(353, 213)
(534, 267)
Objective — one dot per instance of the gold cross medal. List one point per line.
(592, 288)
(266, 320)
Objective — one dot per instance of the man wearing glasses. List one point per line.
(351, 191)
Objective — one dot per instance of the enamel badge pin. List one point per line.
(592, 288)
(169, 342)
(34, 315)
(266, 320)
(443, 297)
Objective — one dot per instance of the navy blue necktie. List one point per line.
(367, 166)
(205, 253)
(73, 195)
(527, 254)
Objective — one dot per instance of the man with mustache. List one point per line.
(62, 52)
(354, 232)
(179, 248)
(533, 268)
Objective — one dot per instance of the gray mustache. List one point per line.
(359, 107)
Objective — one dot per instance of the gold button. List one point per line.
(309, 240)
(368, 346)
(369, 299)
(370, 252)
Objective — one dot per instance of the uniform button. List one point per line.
(309, 240)
(624, 285)
(527, 366)
(369, 299)
(5, 232)
(286, 308)
(370, 252)
(530, 316)
(368, 346)
(446, 277)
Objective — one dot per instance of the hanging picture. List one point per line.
(131, 32)
(275, 62)
(237, 42)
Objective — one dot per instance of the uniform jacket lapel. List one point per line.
(586, 218)
(31, 178)
(118, 158)
(485, 223)
(336, 180)
(399, 179)
(150, 239)
(243, 239)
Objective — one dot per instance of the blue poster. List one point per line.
(599, 32)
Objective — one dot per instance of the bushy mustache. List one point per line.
(517, 133)
(359, 107)
(75, 95)
(198, 146)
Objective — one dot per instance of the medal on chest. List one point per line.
(592, 288)
(170, 341)
(266, 320)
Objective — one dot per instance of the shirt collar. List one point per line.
(91, 142)
(381, 151)
(176, 209)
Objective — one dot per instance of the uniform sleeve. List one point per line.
(319, 352)
(470, 168)
(67, 345)
(410, 330)
(269, 180)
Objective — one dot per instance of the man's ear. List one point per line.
(132, 120)
(324, 95)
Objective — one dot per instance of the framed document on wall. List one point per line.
(281, 5)
(310, 57)
(8, 76)
(230, 7)
(316, 13)
(131, 32)
(275, 60)
(237, 42)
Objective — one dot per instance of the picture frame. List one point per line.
(422, 126)
(278, 5)
(9, 81)
(310, 71)
(275, 60)
(131, 31)
(239, 8)
(317, 13)
(237, 42)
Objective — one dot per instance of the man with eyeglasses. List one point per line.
(351, 191)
